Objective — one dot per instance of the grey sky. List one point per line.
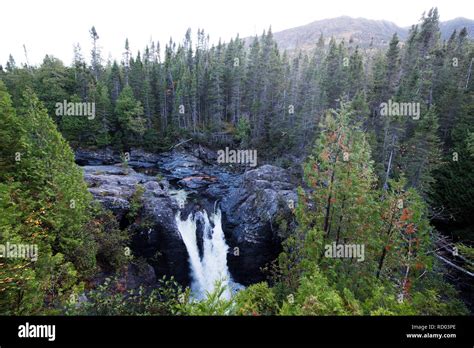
(53, 26)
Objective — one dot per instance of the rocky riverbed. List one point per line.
(256, 206)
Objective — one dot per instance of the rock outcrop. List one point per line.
(257, 215)
(256, 206)
(155, 235)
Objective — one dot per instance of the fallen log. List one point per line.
(455, 266)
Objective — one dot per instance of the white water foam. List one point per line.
(212, 267)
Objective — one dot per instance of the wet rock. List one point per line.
(253, 215)
(95, 157)
(113, 186)
(139, 275)
(255, 206)
(180, 165)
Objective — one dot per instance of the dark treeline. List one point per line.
(248, 95)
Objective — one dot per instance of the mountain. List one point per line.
(359, 31)
(448, 27)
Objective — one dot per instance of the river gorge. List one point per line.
(200, 221)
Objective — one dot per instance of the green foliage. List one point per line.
(135, 203)
(342, 205)
(243, 130)
(468, 253)
(110, 240)
(316, 297)
(129, 114)
(266, 100)
(10, 134)
(213, 304)
(110, 298)
(257, 299)
(45, 205)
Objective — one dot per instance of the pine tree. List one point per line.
(131, 124)
(342, 206)
(252, 84)
(103, 119)
(49, 189)
(52, 82)
(216, 87)
(406, 239)
(423, 153)
(81, 74)
(96, 59)
(333, 82)
(10, 137)
(114, 82)
(356, 74)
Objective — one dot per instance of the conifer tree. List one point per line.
(49, 187)
(131, 124)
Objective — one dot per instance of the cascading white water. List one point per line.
(212, 267)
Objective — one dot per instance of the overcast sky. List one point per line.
(53, 26)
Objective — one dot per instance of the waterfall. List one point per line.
(211, 265)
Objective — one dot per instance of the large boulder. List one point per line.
(159, 239)
(113, 186)
(155, 234)
(179, 165)
(85, 157)
(140, 159)
(257, 216)
(132, 276)
(136, 275)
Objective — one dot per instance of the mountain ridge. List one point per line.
(358, 31)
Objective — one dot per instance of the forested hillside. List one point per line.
(380, 140)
